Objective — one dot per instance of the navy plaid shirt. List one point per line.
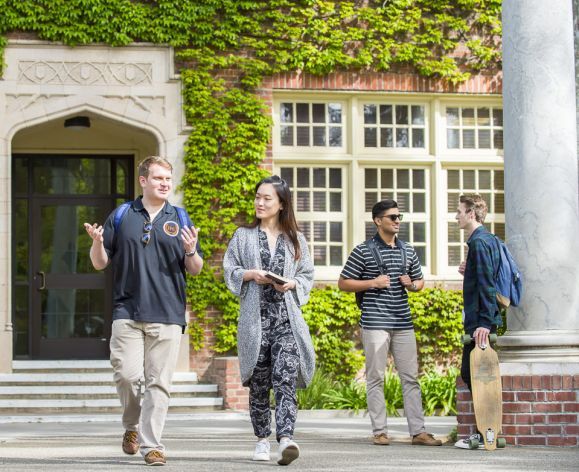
(480, 301)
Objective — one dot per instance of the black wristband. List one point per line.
(192, 253)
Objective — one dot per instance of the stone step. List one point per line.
(64, 365)
(58, 378)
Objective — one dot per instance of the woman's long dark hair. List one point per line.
(287, 219)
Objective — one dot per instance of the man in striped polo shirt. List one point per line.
(386, 322)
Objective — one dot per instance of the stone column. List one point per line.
(5, 257)
(541, 181)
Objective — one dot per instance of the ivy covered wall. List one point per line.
(226, 47)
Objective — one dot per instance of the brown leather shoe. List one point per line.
(130, 442)
(425, 439)
(155, 458)
(381, 439)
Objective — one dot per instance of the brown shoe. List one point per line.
(381, 439)
(130, 442)
(425, 439)
(155, 458)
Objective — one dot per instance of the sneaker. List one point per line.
(288, 452)
(381, 439)
(465, 443)
(130, 442)
(425, 439)
(261, 451)
(155, 457)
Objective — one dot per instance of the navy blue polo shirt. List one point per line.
(149, 280)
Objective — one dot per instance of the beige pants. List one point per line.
(144, 350)
(402, 343)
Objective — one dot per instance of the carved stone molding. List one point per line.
(152, 104)
(20, 102)
(85, 73)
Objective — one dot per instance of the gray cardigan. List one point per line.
(243, 254)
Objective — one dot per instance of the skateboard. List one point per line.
(487, 394)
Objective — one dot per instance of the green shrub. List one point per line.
(349, 396)
(312, 398)
(437, 316)
(439, 392)
(332, 316)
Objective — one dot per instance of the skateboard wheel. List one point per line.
(473, 443)
(501, 442)
(466, 339)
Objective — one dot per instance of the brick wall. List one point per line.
(538, 410)
(224, 371)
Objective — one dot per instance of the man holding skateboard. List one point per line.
(481, 312)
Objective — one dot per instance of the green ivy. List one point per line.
(230, 123)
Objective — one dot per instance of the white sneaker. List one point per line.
(464, 443)
(288, 451)
(261, 452)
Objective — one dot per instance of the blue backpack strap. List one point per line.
(119, 215)
(183, 217)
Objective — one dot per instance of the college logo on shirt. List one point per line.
(171, 228)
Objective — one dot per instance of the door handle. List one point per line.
(43, 280)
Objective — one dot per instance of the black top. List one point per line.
(384, 308)
(149, 279)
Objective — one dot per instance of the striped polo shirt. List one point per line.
(384, 308)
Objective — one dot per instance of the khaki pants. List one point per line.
(144, 350)
(402, 343)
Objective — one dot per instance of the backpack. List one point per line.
(371, 243)
(508, 280)
(122, 210)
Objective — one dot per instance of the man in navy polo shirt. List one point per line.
(150, 249)
(386, 322)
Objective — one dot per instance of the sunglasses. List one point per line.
(393, 218)
(146, 237)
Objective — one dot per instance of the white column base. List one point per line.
(549, 346)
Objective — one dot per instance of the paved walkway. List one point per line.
(223, 442)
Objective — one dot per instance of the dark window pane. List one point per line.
(320, 255)
(21, 320)
(499, 203)
(370, 137)
(453, 232)
(69, 175)
(335, 136)
(418, 202)
(483, 117)
(370, 198)
(401, 115)
(468, 139)
(335, 201)
(418, 138)
(403, 178)
(386, 114)
(370, 228)
(497, 117)
(287, 135)
(452, 202)
(306, 228)
(319, 177)
(499, 180)
(319, 135)
(335, 178)
(484, 139)
(369, 114)
(468, 117)
(319, 201)
(303, 201)
(370, 178)
(303, 136)
(468, 177)
(404, 232)
(484, 179)
(418, 176)
(303, 112)
(453, 179)
(319, 112)
(452, 139)
(336, 232)
(20, 222)
(454, 257)
(488, 199)
(286, 113)
(320, 234)
(387, 178)
(335, 255)
(419, 230)
(421, 254)
(303, 177)
(498, 139)
(20, 172)
(500, 230)
(122, 177)
(452, 117)
(287, 174)
(402, 137)
(417, 115)
(403, 200)
(386, 137)
(335, 112)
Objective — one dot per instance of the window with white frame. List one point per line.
(394, 126)
(489, 184)
(409, 187)
(305, 124)
(319, 203)
(474, 127)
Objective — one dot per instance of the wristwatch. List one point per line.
(192, 253)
